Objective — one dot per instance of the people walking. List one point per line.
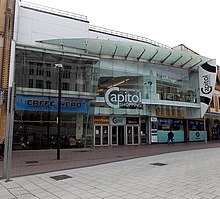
(170, 136)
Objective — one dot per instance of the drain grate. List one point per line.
(158, 164)
(32, 162)
(60, 177)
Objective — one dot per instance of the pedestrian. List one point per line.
(170, 136)
(2, 149)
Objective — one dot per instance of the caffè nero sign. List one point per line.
(117, 97)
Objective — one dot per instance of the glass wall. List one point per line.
(148, 81)
(36, 99)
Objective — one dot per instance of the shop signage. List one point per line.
(101, 119)
(196, 135)
(117, 97)
(132, 120)
(47, 103)
(117, 120)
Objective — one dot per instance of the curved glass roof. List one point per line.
(133, 50)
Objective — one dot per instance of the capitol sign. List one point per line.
(123, 98)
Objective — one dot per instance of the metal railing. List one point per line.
(127, 35)
(53, 10)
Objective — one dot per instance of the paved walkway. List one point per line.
(41, 161)
(193, 174)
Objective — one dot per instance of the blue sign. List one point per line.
(169, 121)
(196, 135)
(162, 136)
(50, 104)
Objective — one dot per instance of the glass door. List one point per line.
(135, 135)
(101, 135)
(132, 135)
(97, 136)
(114, 135)
(129, 135)
(105, 137)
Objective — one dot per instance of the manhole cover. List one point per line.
(32, 162)
(158, 164)
(60, 177)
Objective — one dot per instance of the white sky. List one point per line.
(194, 23)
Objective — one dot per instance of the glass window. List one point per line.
(48, 73)
(31, 83)
(31, 71)
(40, 72)
(48, 84)
(39, 83)
(65, 86)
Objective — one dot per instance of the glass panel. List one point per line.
(114, 135)
(143, 130)
(129, 135)
(105, 135)
(98, 135)
(135, 132)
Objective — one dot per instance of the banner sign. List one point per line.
(207, 81)
(50, 104)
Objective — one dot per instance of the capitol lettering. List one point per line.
(117, 98)
(207, 88)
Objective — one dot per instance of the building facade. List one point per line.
(117, 88)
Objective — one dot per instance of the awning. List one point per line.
(133, 50)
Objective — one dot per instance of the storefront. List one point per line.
(116, 130)
(116, 90)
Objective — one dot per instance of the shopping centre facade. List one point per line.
(117, 88)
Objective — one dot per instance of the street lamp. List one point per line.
(60, 67)
(149, 134)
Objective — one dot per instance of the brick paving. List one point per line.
(189, 170)
(26, 162)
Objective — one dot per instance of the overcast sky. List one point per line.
(194, 23)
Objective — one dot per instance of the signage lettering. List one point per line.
(52, 103)
(123, 98)
(207, 88)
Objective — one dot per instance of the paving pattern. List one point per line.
(193, 174)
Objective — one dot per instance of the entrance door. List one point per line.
(132, 135)
(114, 135)
(101, 135)
(121, 137)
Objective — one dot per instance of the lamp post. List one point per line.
(149, 134)
(59, 66)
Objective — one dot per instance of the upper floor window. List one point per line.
(31, 71)
(65, 86)
(48, 84)
(39, 83)
(48, 73)
(66, 73)
(40, 72)
(31, 83)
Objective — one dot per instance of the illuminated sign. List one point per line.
(117, 97)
